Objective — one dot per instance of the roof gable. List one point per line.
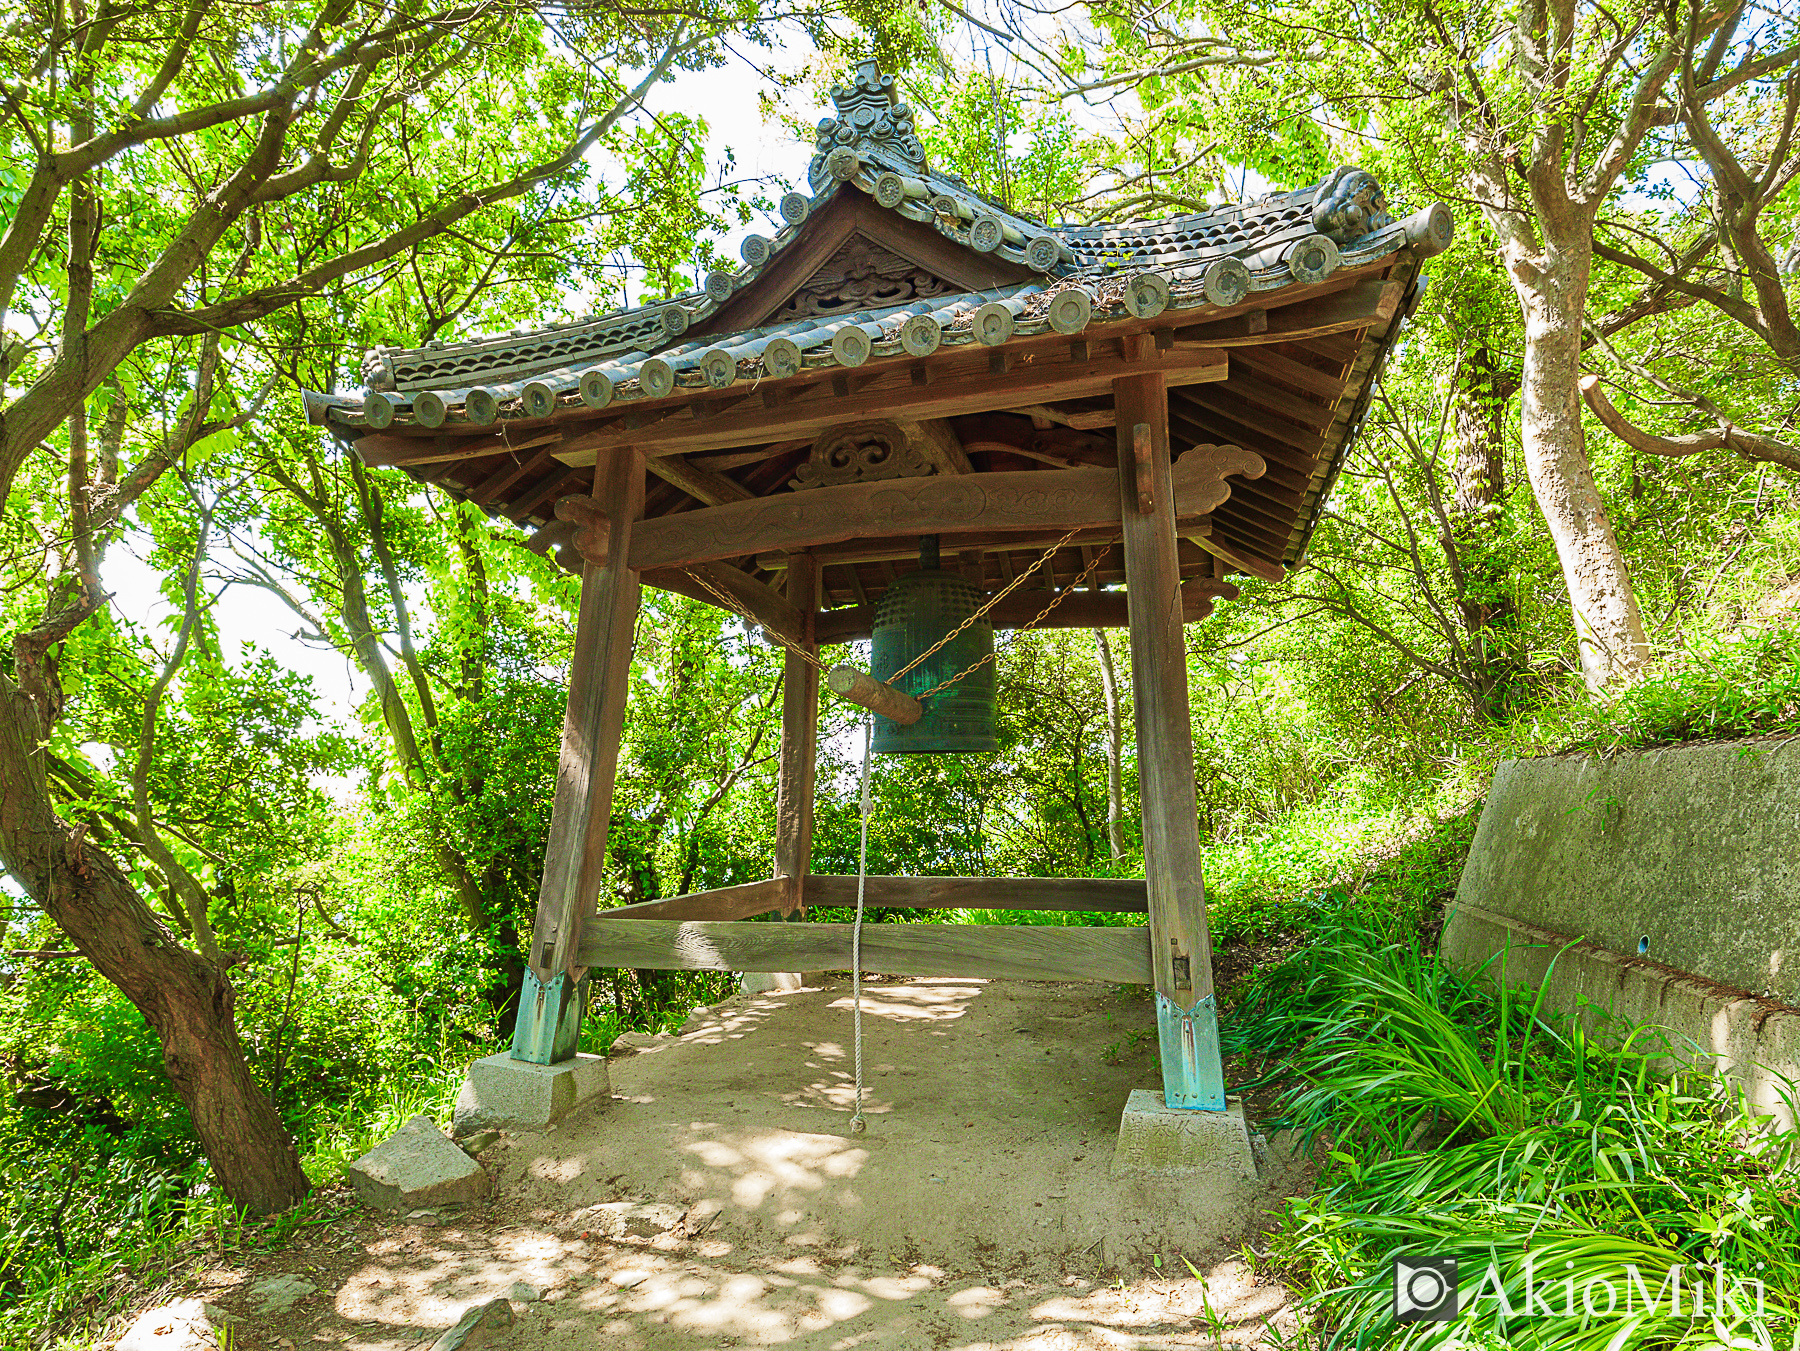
(823, 248)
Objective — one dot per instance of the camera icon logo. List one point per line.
(1425, 1290)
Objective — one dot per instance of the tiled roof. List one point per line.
(1089, 274)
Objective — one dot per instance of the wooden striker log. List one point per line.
(859, 687)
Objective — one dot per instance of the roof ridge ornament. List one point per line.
(1350, 205)
(872, 125)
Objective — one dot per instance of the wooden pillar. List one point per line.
(795, 788)
(549, 1023)
(799, 739)
(1181, 950)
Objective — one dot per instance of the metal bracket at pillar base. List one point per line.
(548, 1030)
(1193, 1074)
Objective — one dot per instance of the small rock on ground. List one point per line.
(278, 1294)
(630, 1219)
(187, 1325)
(418, 1166)
(482, 1325)
(523, 1293)
(631, 1043)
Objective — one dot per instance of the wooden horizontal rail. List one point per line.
(993, 951)
(739, 902)
(1115, 895)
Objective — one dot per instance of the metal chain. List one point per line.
(992, 601)
(810, 658)
(1037, 619)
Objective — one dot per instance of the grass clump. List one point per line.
(1717, 687)
(1562, 1168)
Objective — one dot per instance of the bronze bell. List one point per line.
(917, 610)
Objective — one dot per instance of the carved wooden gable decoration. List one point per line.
(862, 275)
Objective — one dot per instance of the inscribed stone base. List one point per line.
(514, 1095)
(1162, 1141)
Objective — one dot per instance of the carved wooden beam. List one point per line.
(1060, 499)
(593, 528)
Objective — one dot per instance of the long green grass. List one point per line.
(1457, 1119)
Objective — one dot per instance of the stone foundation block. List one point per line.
(417, 1166)
(514, 1095)
(1161, 1141)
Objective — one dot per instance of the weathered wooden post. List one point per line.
(549, 1023)
(794, 789)
(1180, 949)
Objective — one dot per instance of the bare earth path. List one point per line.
(719, 1200)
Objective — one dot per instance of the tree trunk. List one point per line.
(186, 999)
(1477, 511)
(1115, 750)
(1552, 290)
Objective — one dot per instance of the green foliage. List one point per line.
(1716, 687)
(1471, 1124)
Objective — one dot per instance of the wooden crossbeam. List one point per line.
(1113, 895)
(1301, 411)
(992, 951)
(1059, 499)
(703, 485)
(760, 601)
(723, 903)
(1235, 413)
(1077, 610)
(1243, 559)
(1286, 369)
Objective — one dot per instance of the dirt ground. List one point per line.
(720, 1200)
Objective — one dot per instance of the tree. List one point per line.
(1537, 113)
(194, 175)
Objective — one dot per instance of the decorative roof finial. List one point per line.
(871, 124)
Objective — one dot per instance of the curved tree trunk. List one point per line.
(185, 998)
(1609, 629)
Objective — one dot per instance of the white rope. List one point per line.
(857, 1124)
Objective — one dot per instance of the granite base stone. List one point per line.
(1156, 1140)
(515, 1095)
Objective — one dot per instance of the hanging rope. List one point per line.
(857, 1124)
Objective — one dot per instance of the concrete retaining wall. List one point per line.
(1676, 875)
